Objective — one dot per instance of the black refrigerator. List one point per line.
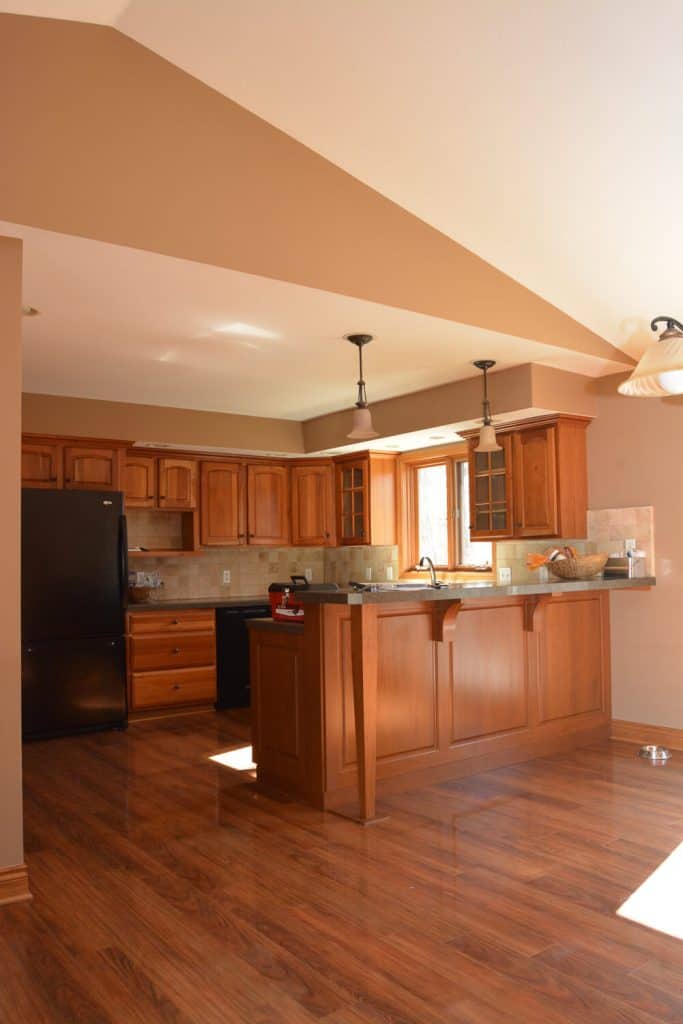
(74, 584)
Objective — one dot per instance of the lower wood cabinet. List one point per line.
(171, 659)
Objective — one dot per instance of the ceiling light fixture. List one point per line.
(362, 429)
(487, 434)
(660, 370)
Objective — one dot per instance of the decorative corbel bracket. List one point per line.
(531, 606)
(444, 614)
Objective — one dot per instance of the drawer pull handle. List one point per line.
(175, 622)
(176, 650)
(177, 686)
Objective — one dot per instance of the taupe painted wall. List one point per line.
(88, 417)
(11, 839)
(139, 153)
(636, 458)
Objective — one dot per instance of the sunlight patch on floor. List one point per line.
(658, 902)
(239, 759)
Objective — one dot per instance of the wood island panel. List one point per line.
(506, 685)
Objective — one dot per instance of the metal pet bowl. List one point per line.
(653, 752)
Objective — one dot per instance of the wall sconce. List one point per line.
(660, 370)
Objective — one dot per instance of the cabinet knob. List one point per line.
(176, 686)
(240, 535)
(175, 622)
(176, 650)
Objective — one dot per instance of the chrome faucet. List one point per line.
(426, 563)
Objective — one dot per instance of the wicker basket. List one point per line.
(582, 567)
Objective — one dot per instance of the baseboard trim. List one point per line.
(14, 885)
(639, 732)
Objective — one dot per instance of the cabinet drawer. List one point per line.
(164, 689)
(172, 652)
(141, 623)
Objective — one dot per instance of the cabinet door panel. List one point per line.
(177, 483)
(267, 505)
(491, 489)
(41, 465)
(312, 505)
(141, 481)
(353, 502)
(535, 463)
(91, 468)
(222, 503)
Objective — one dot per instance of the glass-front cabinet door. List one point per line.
(352, 497)
(491, 491)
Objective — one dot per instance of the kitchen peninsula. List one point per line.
(404, 686)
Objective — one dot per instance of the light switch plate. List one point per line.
(368, 573)
(308, 573)
(504, 575)
(226, 577)
(629, 544)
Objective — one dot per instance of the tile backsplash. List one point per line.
(513, 553)
(253, 569)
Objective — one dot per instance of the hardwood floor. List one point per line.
(167, 888)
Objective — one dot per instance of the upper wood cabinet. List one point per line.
(535, 473)
(491, 491)
(97, 469)
(366, 499)
(268, 504)
(177, 483)
(535, 487)
(141, 481)
(41, 464)
(313, 505)
(222, 504)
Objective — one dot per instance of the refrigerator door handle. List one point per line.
(123, 560)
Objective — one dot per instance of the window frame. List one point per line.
(409, 464)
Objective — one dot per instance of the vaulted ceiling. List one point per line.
(525, 133)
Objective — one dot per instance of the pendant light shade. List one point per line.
(487, 434)
(362, 428)
(660, 370)
(487, 439)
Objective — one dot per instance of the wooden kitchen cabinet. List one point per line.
(491, 491)
(42, 464)
(97, 469)
(222, 504)
(268, 504)
(171, 659)
(536, 486)
(141, 481)
(177, 483)
(366, 499)
(313, 505)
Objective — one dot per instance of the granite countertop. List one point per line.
(273, 626)
(388, 594)
(202, 602)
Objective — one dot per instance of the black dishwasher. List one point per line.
(232, 653)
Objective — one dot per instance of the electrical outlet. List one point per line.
(504, 575)
(227, 576)
(629, 544)
(368, 573)
(308, 573)
(390, 572)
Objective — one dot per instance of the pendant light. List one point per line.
(487, 434)
(362, 429)
(660, 370)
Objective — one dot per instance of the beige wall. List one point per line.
(636, 458)
(11, 842)
(139, 153)
(87, 417)
(521, 390)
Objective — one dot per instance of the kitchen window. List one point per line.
(435, 513)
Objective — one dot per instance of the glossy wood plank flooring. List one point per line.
(167, 888)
